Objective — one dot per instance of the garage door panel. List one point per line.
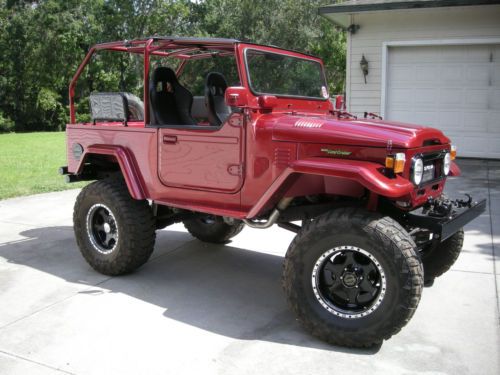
(427, 73)
(477, 75)
(465, 146)
(452, 74)
(402, 74)
(477, 99)
(496, 51)
(494, 100)
(406, 56)
(492, 147)
(450, 121)
(479, 53)
(426, 98)
(404, 116)
(476, 121)
(495, 80)
(450, 98)
(402, 98)
(427, 118)
(469, 144)
(453, 54)
(453, 88)
(493, 123)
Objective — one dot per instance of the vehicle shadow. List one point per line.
(229, 291)
(226, 290)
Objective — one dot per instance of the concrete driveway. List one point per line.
(207, 309)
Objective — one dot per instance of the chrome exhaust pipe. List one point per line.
(282, 204)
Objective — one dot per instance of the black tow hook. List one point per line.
(438, 207)
(464, 203)
(444, 217)
(444, 207)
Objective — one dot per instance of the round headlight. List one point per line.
(417, 171)
(447, 163)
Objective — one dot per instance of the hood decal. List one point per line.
(309, 123)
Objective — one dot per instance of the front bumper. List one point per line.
(445, 218)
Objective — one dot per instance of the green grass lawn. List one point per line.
(29, 163)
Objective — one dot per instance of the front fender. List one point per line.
(455, 170)
(367, 174)
(128, 167)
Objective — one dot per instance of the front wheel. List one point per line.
(353, 278)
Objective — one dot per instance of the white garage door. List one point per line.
(452, 88)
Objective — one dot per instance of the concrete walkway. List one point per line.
(206, 309)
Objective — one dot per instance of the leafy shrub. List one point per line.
(6, 124)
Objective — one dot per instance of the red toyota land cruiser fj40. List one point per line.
(266, 149)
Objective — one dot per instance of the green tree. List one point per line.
(293, 24)
(44, 41)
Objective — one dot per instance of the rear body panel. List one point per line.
(142, 146)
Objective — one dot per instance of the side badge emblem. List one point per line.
(336, 152)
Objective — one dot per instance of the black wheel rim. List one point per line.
(102, 228)
(349, 282)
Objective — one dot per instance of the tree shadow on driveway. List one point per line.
(226, 290)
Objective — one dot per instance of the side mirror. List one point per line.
(236, 96)
(268, 102)
(339, 103)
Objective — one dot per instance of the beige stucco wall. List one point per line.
(411, 25)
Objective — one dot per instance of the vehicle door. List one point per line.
(203, 156)
(198, 157)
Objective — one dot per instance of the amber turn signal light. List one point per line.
(396, 162)
(453, 152)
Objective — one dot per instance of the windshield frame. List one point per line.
(283, 53)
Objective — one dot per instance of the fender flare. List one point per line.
(126, 162)
(455, 169)
(365, 173)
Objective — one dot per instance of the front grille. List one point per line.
(433, 167)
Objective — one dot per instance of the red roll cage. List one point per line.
(180, 48)
(183, 48)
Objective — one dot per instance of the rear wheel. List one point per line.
(115, 233)
(353, 278)
(211, 228)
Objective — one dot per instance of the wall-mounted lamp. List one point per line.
(353, 28)
(364, 66)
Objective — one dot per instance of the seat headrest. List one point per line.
(217, 80)
(164, 74)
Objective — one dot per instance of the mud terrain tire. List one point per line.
(213, 229)
(115, 233)
(382, 249)
(439, 258)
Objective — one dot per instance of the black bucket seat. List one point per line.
(215, 87)
(170, 101)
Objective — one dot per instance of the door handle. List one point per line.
(169, 139)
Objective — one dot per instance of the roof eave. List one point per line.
(339, 14)
(339, 19)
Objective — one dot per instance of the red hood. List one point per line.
(372, 133)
